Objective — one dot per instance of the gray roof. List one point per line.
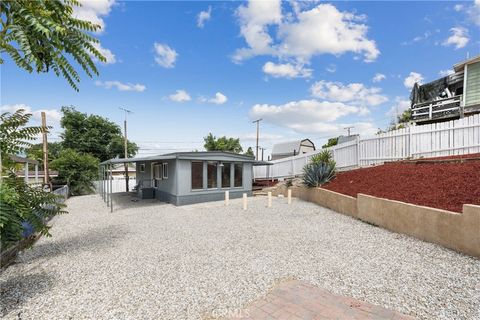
(201, 155)
(287, 147)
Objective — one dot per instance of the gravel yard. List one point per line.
(157, 261)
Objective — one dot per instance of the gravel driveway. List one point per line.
(157, 261)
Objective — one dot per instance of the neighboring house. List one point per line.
(40, 175)
(450, 97)
(343, 139)
(292, 148)
(118, 171)
(191, 177)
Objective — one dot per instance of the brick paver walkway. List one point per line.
(299, 300)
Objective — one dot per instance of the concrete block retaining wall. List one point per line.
(457, 231)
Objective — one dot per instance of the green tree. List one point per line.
(22, 207)
(93, 134)
(117, 147)
(213, 143)
(40, 35)
(76, 170)
(331, 142)
(35, 152)
(249, 152)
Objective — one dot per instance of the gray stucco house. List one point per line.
(191, 177)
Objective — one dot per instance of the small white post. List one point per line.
(289, 196)
(244, 201)
(269, 199)
(227, 198)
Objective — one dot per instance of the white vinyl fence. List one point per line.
(118, 184)
(454, 137)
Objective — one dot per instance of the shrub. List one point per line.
(77, 170)
(324, 156)
(23, 209)
(317, 173)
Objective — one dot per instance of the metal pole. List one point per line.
(111, 181)
(108, 187)
(46, 178)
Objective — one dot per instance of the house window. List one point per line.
(211, 175)
(226, 169)
(238, 175)
(142, 167)
(197, 175)
(165, 170)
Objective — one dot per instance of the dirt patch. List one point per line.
(439, 185)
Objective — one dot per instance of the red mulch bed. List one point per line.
(444, 185)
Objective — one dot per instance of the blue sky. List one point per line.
(307, 68)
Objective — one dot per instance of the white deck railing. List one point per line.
(426, 111)
(454, 137)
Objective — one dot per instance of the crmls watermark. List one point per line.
(231, 313)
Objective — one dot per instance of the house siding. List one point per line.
(472, 96)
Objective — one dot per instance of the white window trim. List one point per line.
(142, 165)
(165, 170)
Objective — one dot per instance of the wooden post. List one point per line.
(244, 201)
(269, 199)
(289, 196)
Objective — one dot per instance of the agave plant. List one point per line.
(317, 173)
(324, 156)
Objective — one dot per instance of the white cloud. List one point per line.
(444, 73)
(379, 77)
(203, 17)
(53, 116)
(94, 11)
(121, 86)
(219, 98)
(401, 104)
(299, 112)
(180, 96)
(109, 56)
(413, 78)
(286, 70)
(459, 38)
(473, 12)
(164, 55)
(254, 18)
(353, 93)
(332, 68)
(302, 34)
(458, 7)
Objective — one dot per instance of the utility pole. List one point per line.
(126, 147)
(348, 129)
(258, 130)
(46, 178)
